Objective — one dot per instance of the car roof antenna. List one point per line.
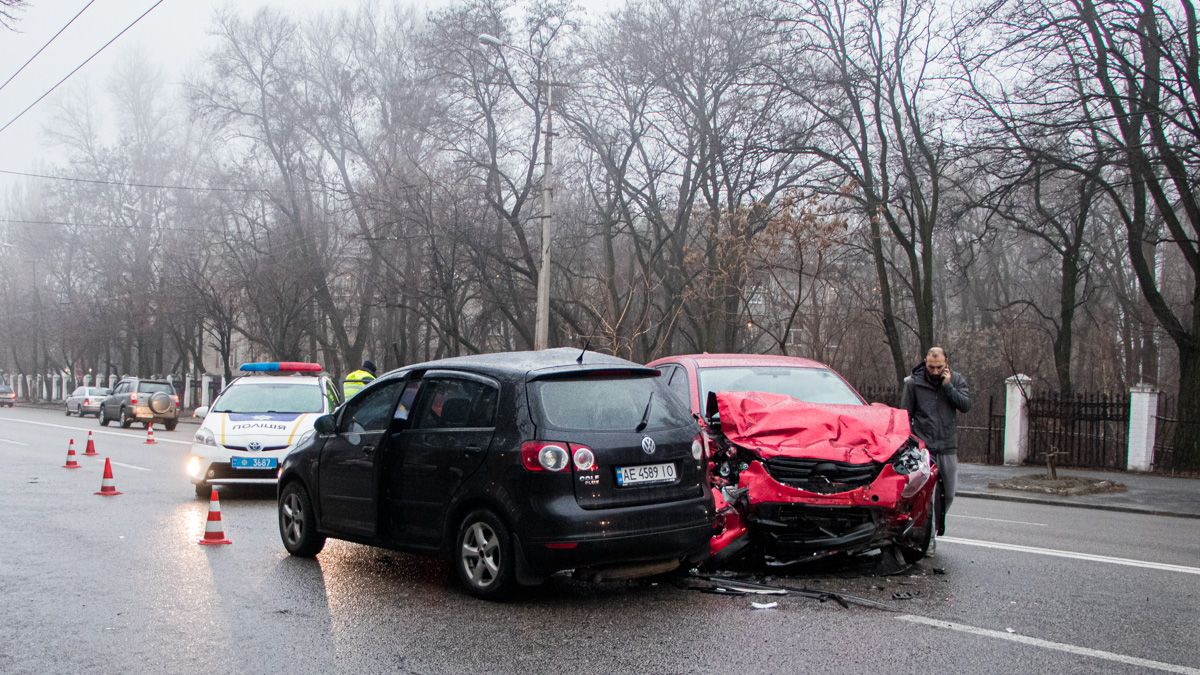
(586, 344)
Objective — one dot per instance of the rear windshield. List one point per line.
(4, 388)
(813, 385)
(98, 391)
(270, 397)
(608, 404)
(154, 388)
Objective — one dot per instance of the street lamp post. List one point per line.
(541, 333)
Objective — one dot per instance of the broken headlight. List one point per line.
(911, 458)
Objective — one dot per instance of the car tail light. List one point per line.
(545, 456)
(175, 398)
(86, 402)
(585, 459)
(133, 398)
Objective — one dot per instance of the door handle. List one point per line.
(473, 449)
(368, 450)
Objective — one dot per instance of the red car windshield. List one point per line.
(812, 385)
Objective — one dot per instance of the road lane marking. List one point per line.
(996, 520)
(1047, 644)
(1091, 557)
(5, 440)
(97, 431)
(132, 466)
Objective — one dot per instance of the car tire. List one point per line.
(483, 556)
(914, 547)
(298, 522)
(170, 425)
(125, 421)
(101, 418)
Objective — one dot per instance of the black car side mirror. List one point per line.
(325, 424)
(711, 410)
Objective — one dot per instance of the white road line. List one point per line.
(131, 466)
(1072, 554)
(96, 431)
(997, 520)
(5, 440)
(1047, 644)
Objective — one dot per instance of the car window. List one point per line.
(332, 400)
(677, 382)
(154, 388)
(813, 385)
(608, 404)
(271, 397)
(371, 410)
(451, 403)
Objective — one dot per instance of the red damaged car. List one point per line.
(801, 466)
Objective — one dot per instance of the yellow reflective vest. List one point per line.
(355, 382)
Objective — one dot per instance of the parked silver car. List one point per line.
(85, 401)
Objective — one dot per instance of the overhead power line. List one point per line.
(52, 39)
(81, 65)
(97, 181)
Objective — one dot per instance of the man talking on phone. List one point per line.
(933, 397)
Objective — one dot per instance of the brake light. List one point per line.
(86, 402)
(175, 398)
(133, 398)
(545, 456)
(585, 459)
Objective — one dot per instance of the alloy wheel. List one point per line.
(481, 554)
(292, 514)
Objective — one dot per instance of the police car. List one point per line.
(255, 421)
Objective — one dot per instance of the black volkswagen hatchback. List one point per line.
(517, 465)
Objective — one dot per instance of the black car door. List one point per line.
(348, 484)
(445, 441)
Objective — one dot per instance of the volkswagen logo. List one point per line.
(254, 446)
(648, 445)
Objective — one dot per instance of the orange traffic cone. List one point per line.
(71, 463)
(108, 488)
(213, 532)
(90, 450)
(149, 435)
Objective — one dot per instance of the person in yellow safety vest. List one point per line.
(356, 381)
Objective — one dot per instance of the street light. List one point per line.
(541, 333)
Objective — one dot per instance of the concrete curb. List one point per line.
(1051, 502)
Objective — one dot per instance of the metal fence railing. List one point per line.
(1087, 430)
(1168, 457)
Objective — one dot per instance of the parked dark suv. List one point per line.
(517, 465)
(142, 401)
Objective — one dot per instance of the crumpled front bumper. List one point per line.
(792, 525)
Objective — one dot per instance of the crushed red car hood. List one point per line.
(774, 425)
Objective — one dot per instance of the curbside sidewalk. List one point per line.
(1148, 494)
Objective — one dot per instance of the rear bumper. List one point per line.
(575, 538)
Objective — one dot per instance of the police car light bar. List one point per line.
(280, 367)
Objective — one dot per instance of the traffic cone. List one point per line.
(213, 532)
(149, 435)
(90, 450)
(107, 487)
(71, 463)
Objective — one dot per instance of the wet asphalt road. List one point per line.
(119, 584)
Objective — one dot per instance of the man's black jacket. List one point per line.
(933, 408)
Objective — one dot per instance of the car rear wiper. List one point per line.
(645, 413)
